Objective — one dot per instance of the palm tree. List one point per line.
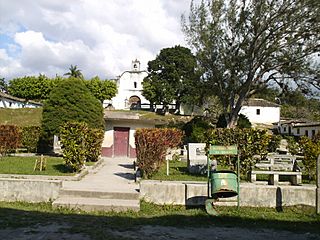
(74, 72)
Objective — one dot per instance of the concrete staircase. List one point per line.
(110, 188)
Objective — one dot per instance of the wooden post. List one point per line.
(167, 167)
(318, 186)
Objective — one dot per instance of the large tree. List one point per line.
(101, 89)
(31, 87)
(243, 46)
(172, 77)
(71, 100)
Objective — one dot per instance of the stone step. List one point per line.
(97, 204)
(64, 192)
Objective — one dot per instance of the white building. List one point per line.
(8, 101)
(129, 85)
(260, 111)
(299, 128)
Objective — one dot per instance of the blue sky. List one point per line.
(101, 37)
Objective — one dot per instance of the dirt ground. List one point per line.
(61, 231)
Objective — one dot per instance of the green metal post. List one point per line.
(238, 173)
(208, 174)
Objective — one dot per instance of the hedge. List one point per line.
(152, 145)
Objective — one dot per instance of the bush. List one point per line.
(250, 142)
(311, 151)
(69, 101)
(30, 136)
(9, 138)
(152, 145)
(196, 130)
(274, 143)
(80, 144)
(94, 139)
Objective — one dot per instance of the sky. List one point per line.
(101, 37)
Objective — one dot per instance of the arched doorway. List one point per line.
(134, 102)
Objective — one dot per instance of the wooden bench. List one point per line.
(295, 177)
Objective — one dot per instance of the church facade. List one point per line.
(129, 85)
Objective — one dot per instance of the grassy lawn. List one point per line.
(25, 165)
(178, 171)
(299, 219)
(21, 117)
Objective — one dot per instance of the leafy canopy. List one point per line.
(101, 89)
(242, 46)
(71, 100)
(172, 76)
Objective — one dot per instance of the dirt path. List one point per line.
(61, 231)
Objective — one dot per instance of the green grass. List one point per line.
(21, 117)
(300, 219)
(25, 165)
(178, 171)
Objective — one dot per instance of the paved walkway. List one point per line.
(115, 174)
(110, 186)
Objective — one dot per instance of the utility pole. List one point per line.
(318, 186)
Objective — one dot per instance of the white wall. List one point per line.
(268, 115)
(8, 103)
(126, 88)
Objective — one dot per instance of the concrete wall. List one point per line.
(195, 193)
(29, 190)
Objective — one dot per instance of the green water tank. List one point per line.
(224, 184)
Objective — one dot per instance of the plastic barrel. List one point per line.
(224, 184)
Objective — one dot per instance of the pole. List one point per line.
(238, 173)
(167, 167)
(318, 186)
(208, 173)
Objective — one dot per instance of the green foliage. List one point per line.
(311, 151)
(172, 76)
(243, 122)
(274, 142)
(152, 145)
(31, 87)
(71, 100)
(80, 144)
(94, 139)
(196, 130)
(30, 136)
(250, 142)
(9, 138)
(3, 85)
(293, 145)
(73, 144)
(239, 43)
(102, 90)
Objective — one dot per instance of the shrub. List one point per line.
(30, 137)
(250, 142)
(196, 130)
(94, 139)
(274, 142)
(152, 145)
(9, 138)
(72, 138)
(71, 100)
(311, 151)
(80, 144)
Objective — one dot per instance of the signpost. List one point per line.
(225, 150)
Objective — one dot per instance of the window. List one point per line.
(258, 111)
(135, 84)
(306, 133)
(284, 129)
(313, 133)
(298, 131)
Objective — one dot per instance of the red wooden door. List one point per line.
(121, 141)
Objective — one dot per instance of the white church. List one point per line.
(129, 85)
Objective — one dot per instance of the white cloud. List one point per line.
(101, 37)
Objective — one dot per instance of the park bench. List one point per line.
(276, 165)
(295, 177)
